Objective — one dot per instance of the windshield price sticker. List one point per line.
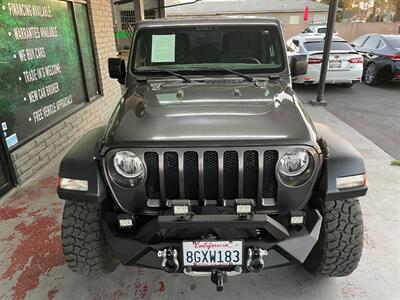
(163, 48)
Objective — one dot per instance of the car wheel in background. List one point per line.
(371, 74)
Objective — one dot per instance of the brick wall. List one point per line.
(37, 153)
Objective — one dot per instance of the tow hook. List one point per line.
(170, 262)
(219, 278)
(255, 261)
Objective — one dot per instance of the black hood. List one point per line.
(210, 114)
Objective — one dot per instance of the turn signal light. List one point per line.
(74, 184)
(313, 61)
(356, 60)
(351, 181)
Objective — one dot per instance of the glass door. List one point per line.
(6, 182)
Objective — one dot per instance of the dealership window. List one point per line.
(127, 18)
(150, 14)
(48, 67)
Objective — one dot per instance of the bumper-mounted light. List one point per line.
(297, 218)
(126, 220)
(74, 184)
(244, 207)
(181, 208)
(351, 181)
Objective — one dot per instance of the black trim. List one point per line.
(6, 165)
(344, 160)
(80, 163)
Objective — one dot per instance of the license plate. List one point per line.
(212, 253)
(335, 64)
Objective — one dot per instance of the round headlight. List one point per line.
(126, 169)
(295, 167)
(128, 164)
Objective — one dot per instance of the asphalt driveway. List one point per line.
(373, 111)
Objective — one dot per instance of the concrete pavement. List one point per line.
(31, 263)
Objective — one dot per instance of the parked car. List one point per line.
(317, 30)
(345, 64)
(209, 165)
(381, 57)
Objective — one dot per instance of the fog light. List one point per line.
(126, 221)
(351, 181)
(297, 218)
(74, 184)
(181, 207)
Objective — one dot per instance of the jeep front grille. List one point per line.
(211, 175)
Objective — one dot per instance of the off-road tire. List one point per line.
(340, 243)
(85, 249)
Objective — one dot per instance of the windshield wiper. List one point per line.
(248, 78)
(184, 78)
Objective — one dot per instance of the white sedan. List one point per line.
(345, 65)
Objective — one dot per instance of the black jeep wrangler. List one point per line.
(209, 164)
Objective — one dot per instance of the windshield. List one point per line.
(336, 46)
(394, 41)
(196, 48)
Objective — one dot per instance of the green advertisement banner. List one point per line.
(41, 77)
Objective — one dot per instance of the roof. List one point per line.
(317, 38)
(208, 21)
(217, 7)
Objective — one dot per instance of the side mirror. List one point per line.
(299, 64)
(116, 69)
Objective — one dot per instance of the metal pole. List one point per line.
(327, 49)
(139, 10)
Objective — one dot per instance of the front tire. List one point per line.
(340, 243)
(84, 246)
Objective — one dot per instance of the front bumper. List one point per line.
(287, 246)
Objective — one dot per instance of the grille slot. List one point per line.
(210, 175)
(197, 176)
(153, 178)
(171, 175)
(250, 174)
(191, 175)
(231, 175)
(269, 180)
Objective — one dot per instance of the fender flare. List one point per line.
(344, 160)
(80, 163)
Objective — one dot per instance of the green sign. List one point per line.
(41, 74)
